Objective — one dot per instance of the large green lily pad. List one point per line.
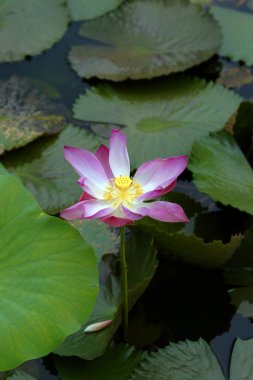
(25, 114)
(48, 277)
(163, 117)
(46, 173)
(30, 26)
(145, 39)
(88, 9)
(221, 170)
(237, 30)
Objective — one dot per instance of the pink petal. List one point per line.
(136, 212)
(90, 209)
(166, 212)
(85, 196)
(96, 208)
(113, 221)
(163, 211)
(118, 155)
(74, 212)
(158, 192)
(103, 155)
(147, 170)
(86, 164)
(160, 172)
(91, 188)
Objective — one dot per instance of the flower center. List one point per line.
(122, 190)
(123, 182)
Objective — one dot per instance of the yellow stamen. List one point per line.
(122, 190)
(123, 182)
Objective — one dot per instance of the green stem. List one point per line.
(124, 287)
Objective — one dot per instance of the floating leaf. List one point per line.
(25, 114)
(163, 117)
(237, 30)
(145, 39)
(99, 235)
(189, 248)
(118, 362)
(241, 366)
(222, 171)
(88, 9)
(45, 172)
(30, 26)
(142, 263)
(182, 361)
(48, 277)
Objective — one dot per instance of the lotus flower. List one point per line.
(111, 195)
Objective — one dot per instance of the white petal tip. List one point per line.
(98, 326)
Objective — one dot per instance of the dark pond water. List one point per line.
(193, 303)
